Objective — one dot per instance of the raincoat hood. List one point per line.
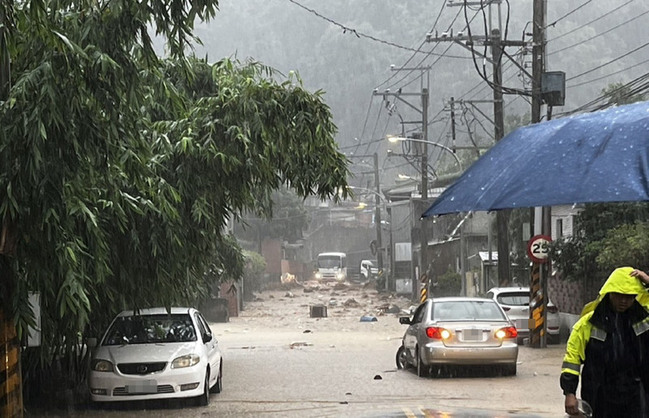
(620, 281)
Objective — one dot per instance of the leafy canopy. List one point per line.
(119, 170)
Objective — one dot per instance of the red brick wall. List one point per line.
(271, 250)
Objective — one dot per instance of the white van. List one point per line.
(331, 266)
(369, 269)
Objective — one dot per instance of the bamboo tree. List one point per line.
(119, 169)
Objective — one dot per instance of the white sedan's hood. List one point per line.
(140, 353)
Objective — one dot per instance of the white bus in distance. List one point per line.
(331, 266)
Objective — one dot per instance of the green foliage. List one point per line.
(619, 94)
(514, 121)
(119, 170)
(287, 221)
(605, 236)
(253, 274)
(517, 243)
(448, 284)
(626, 245)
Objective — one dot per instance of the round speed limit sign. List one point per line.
(538, 248)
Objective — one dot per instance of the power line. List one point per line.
(358, 33)
(637, 86)
(600, 33)
(439, 14)
(607, 63)
(589, 23)
(443, 54)
(608, 75)
(567, 14)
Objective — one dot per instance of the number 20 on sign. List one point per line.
(538, 248)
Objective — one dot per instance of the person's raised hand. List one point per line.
(644, 278)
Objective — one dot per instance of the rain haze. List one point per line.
(350, 48)
(341, 301)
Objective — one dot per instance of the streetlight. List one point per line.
(423, 263)
(394, 139)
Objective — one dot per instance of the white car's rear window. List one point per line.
(514, 299)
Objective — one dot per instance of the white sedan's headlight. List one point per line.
(99, 365)
(185, 361)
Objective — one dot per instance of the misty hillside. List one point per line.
(346, 48)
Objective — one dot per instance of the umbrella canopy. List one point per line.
(595, 157)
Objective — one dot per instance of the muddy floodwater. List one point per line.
(325, 351)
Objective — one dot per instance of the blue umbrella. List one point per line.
(595, 157)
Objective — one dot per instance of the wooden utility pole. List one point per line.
(502, 216)
(421, 279)
(452, 106)
(542, 217)
(377, 220)
(423, 224)
(497, 44)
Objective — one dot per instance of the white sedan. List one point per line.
(156, 354)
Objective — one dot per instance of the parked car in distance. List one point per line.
(457, 331)
(369, 269)
(515, 301)
(156, 354)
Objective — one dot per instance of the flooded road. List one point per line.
(280, 362)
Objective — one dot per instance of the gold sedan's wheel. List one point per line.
(402, 359)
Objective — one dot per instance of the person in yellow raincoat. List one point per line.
(608, 349)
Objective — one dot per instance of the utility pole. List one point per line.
(502, 216)
(377, 220)
(497, 50)
(423, 250)
(421, 279)
(541, 216)
(452, 105)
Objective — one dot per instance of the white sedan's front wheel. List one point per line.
(204, 398)
(218, 386)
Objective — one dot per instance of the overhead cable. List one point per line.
(608, 62)
(358, 33)
(439, 14)
(567, 14)
(600, 33)
(605, 14)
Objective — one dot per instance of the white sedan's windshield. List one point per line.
(145, 329)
